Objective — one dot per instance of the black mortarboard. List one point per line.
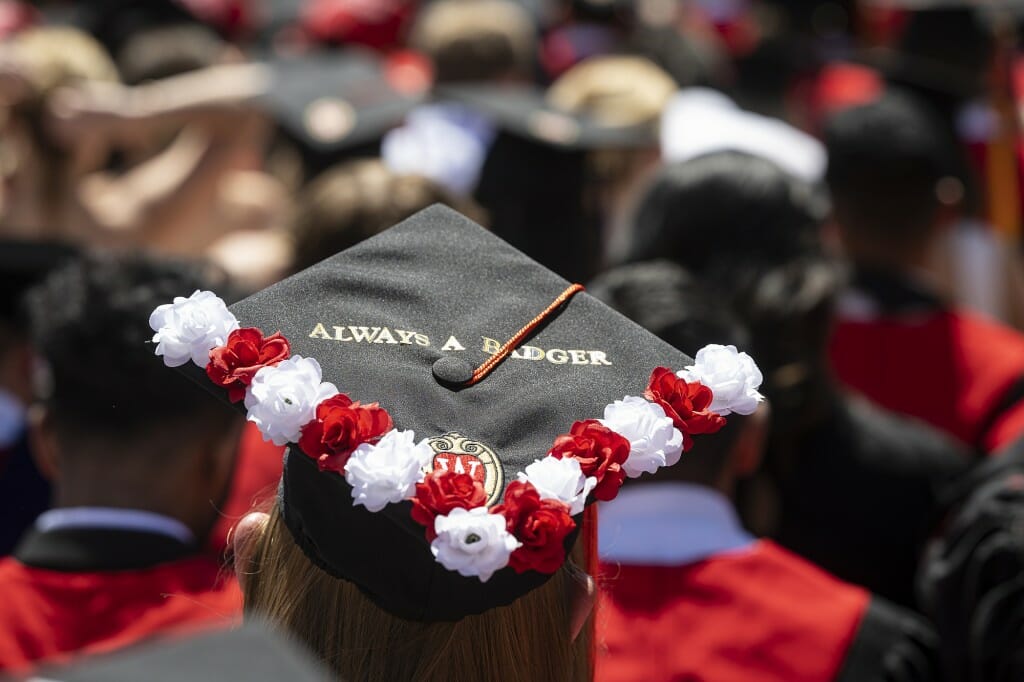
(403, 319)
(334, 104)
(251, 653)
(535, 178)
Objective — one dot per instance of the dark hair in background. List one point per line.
(666, 300)
(885, 160)
(725, 210)
(751, 233)
(90, 324)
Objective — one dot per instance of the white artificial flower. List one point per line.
(189, 328)
(473, 542)
(654, 442)
(387, 471)
(283, 398)
(733, 378)
(560, 479)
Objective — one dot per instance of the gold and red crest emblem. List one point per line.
(455, 452)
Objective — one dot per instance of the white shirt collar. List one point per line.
(114, 519)
(668, 524)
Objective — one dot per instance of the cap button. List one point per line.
(452, 370)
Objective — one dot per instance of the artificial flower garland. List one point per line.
(287, 399)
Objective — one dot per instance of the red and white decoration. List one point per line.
(287, 399)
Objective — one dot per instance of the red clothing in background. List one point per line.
(48, 614)
(759, 614)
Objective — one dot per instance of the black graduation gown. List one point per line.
(861, 492)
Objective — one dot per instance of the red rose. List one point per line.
(600, 452)
(541, 525)
(339, 428)
(234, 364)
(685, 403)
(442, 491)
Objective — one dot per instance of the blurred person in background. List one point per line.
(355, 201)
(192, 140)
(616, 91)
(24, 492)
(900, 340)
(850, 486)
(684, 590)
(950, 59)
(140, 461)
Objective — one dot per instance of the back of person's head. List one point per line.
(667, 301)
(789, 309)
(107, 396)
(614, 91)
(725, 211)
(890, 169)
(165, 51)
(476, 40)
(356, 200)
(360, 641)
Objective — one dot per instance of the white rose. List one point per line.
(732, 376)
(654, 442)
(190, 327)
(473, 542)
(283, 398)
(387, 471)
(560, 479)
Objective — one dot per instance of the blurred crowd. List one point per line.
(834, 186)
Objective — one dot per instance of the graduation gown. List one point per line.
(91, 590)
(902, 347)
(685, 594)
(861, 493)
(758, 615)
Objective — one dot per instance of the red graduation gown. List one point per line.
(953, 369)
(256, 475)
(755, 615)
(47, 615)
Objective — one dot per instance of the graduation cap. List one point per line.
(534, 177)
(490, 407)
(252, 653)
(335, 104)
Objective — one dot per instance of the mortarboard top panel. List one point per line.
(332, 102)
(378, 317)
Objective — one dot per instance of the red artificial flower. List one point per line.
(440, 492)
(540, 524)
(246, 352)
(600, 452)
(685, 403)
(339, 428)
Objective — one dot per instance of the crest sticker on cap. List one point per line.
(455, 452)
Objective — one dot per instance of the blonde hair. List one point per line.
(475, 40)
(356, 200)
(53, 56)
(528, 640)
(614, 91)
